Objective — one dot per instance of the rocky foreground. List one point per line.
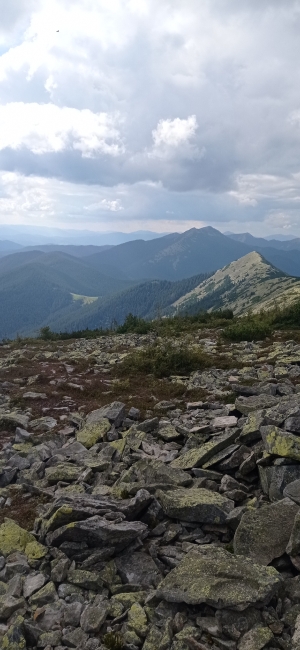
(174, 528)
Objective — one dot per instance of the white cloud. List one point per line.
(173, 133)
(173, 138)
(44, 128)
(106, 204)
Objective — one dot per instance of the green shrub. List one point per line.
(163, 361)
(248, 330)
(113, 641)
(135, 325)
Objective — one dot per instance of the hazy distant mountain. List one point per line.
(268, 242)
(173, 257)
(76, 251)
(249, 283)
(32, 235)
(35, 286)
(9, 246)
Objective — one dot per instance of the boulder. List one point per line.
(200, 455)
(195, 505)
(276, 480)
(281, 443)
(99, 532)
(262, 535)
(246, 405)
(93, 432)
(220, 579)
(114, 412)
(139, 569)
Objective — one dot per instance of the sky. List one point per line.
(150, 114)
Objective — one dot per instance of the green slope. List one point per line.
(147, 300)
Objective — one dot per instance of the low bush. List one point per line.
(163, 361)
(247, 329)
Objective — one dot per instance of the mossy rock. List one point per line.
(14, 538)
(93, 433)
(195, 505)
(213, 576)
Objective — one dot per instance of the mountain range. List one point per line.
(73, 287)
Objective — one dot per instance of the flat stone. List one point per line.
(62, 472)
(224, 422)
(200, 455)
(99, 532)
(280, 443)
(43, 424)
(31, 395)
(213, 576)
(195, 505)
(89, 580)
(262, 535)
(246, 405)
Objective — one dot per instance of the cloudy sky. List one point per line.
(151, 114)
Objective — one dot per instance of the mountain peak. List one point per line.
(248, 283)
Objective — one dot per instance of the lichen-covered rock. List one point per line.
(256, 639)
(99, 532)
(200, 455)
(220, 579)
(280, 443)
(93, 433)
(62, 472)
(263, 534)
(246, 405)
(14, 538)
(195, 505)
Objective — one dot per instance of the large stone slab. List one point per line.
(280, 443)
(246, 405)
(195, 505)
(200, 455)
(263, 534)
(220, 579)
(114, 412)
(98, 532)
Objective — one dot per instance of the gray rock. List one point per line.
(256, 639)
(281, 443)
(220, 579)
(72, 614)
(74, 638)
(195, 505)
(292, 489)
(114, 412)
(246, 405)
(275, 479)
(43, 424)
(89, 580)
(32, 583)
(98, 532)
(93, 617)
(138, 568)
(200, 455)
(263, 534)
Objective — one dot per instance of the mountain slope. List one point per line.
(76, 251)
(173, 257)
(147, 300)
(250, 283)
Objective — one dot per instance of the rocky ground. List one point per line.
(149, 514)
